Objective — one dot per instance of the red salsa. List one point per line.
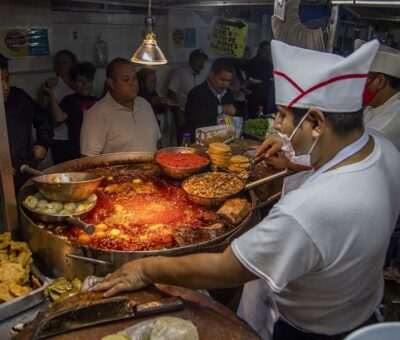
(181, 160)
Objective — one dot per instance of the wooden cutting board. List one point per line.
(213, 320)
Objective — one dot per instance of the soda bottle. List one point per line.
(186, 139)
(260, 111)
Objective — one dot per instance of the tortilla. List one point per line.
(5, 294)
(18, 290)
(169, 327)
(5, 240)
(13, 272)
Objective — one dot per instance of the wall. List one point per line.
(123, 33)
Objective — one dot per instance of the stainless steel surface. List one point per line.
(332, 31)
(65, 186)
(54, 254)
(55, 218)
(9, 215)
(21, 303)
(181, 173)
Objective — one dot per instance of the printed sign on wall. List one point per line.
(24, 42)
(228, 37)
(184, 37)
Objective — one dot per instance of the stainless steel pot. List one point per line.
(58, 257)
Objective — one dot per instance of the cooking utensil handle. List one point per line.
(90, 260)
(86, 227)
(26, 169)
(267, 179)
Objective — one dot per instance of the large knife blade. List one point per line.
(103, 311)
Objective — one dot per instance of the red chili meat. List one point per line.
(181, 160)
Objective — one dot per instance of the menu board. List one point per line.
(228, 37)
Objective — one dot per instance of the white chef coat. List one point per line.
(322, 247)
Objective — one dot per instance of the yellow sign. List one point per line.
(24, 42)
(228, 37)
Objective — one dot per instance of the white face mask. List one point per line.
(288, 150)
(294, 181)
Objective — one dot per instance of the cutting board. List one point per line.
(213, 320)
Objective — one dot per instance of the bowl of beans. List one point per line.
(181, 162)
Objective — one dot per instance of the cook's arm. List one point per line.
(206, 271)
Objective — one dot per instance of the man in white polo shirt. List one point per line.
(322, 247)
(121, 121)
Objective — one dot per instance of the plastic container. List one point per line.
(186, 140)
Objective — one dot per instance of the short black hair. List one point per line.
(3, 62)
(144, 73)
(68, 53)
(341, 122)
(393, 82)
(85, 69)
(264, 44)
(222, 64)
(111, 65)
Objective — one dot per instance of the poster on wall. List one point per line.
(279, 9)
(228, 37)
(184, 37)
(24, 42)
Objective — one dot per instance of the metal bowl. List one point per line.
(181, 173)
(67, 186)
(211, 201)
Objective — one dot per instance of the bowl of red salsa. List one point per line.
(181, 162)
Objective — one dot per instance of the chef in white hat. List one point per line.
(321, 248)
(382, 93)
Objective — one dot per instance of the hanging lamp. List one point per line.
(149, 53)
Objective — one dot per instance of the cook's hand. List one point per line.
(271, 146)
(127, 278)
(229, 109)
(39, 152)
(51, 82)
(277, 161)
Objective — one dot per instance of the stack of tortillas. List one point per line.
(219, 154)
(239, 164)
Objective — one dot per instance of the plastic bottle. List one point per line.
(186, 139)
(260, 112)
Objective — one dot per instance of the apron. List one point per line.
(257, 305)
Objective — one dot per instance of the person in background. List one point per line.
(382, 95)
(259, 75)
(121, 121)
(184, 79)
(73, 107)
(23, 113)
(211, 98)
(238, 86)
(148, 90)
(62, 85)
(319, 250)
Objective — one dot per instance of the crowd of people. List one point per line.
(339, 121)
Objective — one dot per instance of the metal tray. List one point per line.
(24, 302)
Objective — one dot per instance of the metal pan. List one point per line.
(217, 200)
(64, 186)
(56, 218)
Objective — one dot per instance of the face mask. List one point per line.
(288, 150)
(368, 96)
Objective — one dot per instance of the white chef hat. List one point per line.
(305, 78)
(386, 61)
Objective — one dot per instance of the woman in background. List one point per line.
(61, 86)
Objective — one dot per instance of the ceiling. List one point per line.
(190, 3)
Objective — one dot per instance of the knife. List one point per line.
(99, 312)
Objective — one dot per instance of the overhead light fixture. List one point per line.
(149, 53)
